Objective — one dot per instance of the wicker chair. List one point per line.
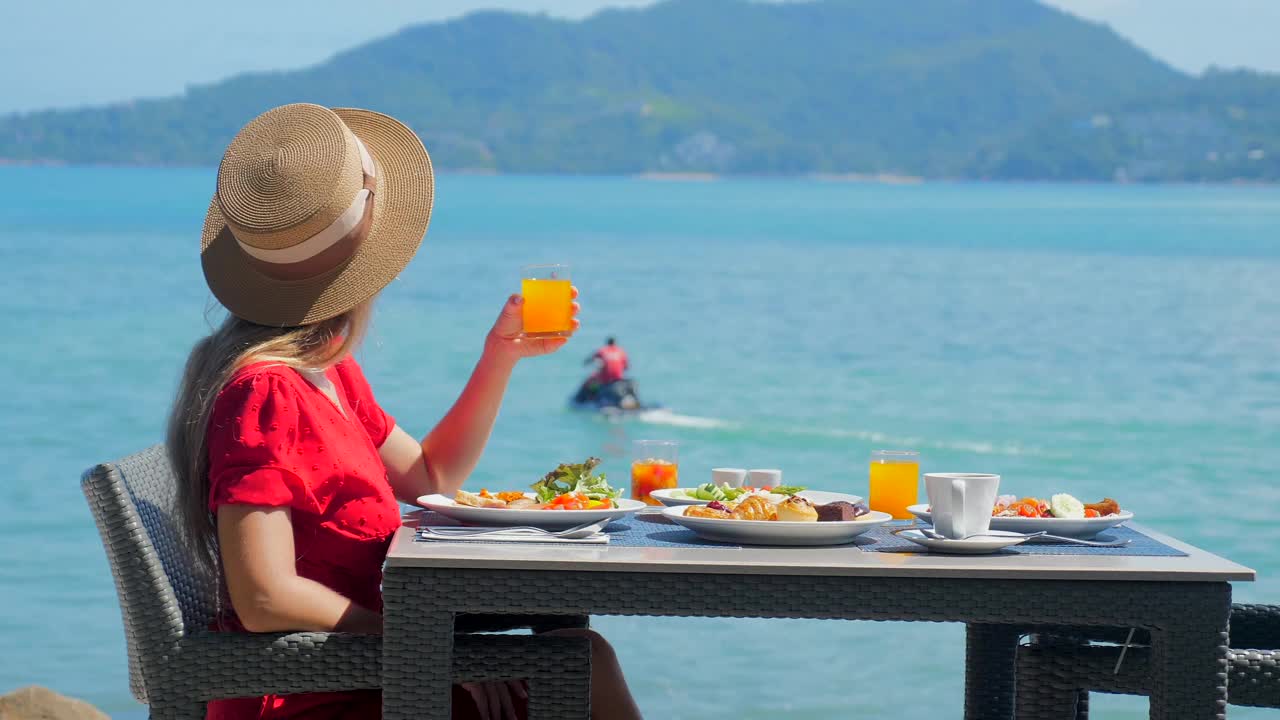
(1058, 668)
(176, 666)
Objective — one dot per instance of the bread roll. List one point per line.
(703, 511)
(797, 509)
(755, 508)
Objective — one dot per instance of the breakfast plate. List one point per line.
(546, 519)
(777, 532)
(1081, 528)
(980, 545)
(674, 497)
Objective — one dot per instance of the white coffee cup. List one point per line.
(961, 503)
(764, 478)
(732, 477)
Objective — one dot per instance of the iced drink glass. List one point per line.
(894, 482)
(654, 466)
(548, 301)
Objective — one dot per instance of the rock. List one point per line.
(38, 703)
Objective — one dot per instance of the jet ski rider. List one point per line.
(613, 363)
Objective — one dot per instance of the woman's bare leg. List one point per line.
(610, 697)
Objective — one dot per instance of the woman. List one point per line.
(294, 468)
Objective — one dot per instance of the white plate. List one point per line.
(670, 498)
(547, 519)
(1083, 528)
(774, 532)
(969, 546)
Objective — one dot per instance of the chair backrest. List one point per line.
(134, 503)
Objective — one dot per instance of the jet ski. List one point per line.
(618, 397)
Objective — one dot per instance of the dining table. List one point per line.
(1179, 593)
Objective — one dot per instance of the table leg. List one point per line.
(990, 656)
(563, 691)
(417, 656)
(1189, 656)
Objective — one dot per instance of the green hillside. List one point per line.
(940, 88)
(1221, 127)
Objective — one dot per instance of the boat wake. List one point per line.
(661, 416)
(976, 447)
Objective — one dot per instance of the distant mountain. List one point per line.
(1223, 126)
(938, 88)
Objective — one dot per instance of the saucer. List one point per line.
(982, 545)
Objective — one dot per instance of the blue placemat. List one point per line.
(656, 531)
(882, 540)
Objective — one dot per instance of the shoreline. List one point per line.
(895, 179)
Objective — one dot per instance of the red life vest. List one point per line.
(614, 361)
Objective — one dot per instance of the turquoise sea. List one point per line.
(1119, 341)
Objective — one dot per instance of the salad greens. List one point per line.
(711, 491)
(786, 489)
(575, 478)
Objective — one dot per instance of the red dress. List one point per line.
(276, 440)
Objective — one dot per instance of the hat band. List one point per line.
(328, 248)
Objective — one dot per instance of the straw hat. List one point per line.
(316, 210)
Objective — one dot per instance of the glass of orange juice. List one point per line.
(548, 301)
(895, 482)
(654, 467)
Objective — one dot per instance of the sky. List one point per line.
(66, 53)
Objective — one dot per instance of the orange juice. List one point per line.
(652, 474)
(894, 486)
(548, 308)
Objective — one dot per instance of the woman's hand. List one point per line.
(495, 700)
(505, 337)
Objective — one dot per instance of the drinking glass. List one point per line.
(654, 467)
(548, 301)
(894, 482)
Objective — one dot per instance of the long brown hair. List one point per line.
(213, 361)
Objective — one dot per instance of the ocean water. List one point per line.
(1119, 341)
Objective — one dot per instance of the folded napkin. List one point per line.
(598, 538)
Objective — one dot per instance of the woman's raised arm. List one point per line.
(443, 460)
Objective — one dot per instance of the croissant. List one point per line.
(755, 508)
(703, 511)
(797, 509)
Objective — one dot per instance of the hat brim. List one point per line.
(401, 212)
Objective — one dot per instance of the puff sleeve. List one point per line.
(254, 441)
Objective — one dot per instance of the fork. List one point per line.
(456, 531)
(1118, 542)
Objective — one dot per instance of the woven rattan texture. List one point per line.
(1255, 626)
(134, 505)
(989, 654)
(1051, 678)
(175, 665)
(1187, 621)
(1057, 671)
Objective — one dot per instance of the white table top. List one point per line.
(1198, 565)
